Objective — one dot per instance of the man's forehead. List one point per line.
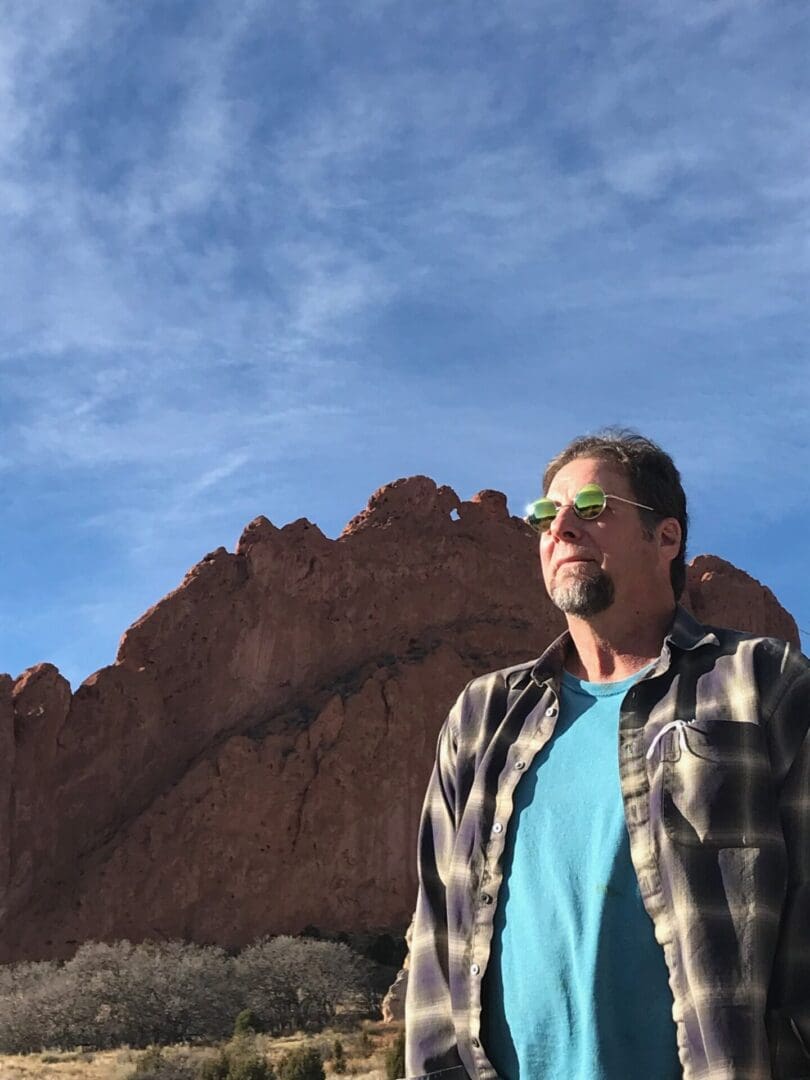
(588, 470)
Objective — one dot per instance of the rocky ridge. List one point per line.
(254, 761)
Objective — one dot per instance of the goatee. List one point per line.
(584, 596)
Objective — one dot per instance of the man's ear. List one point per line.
(670, 536)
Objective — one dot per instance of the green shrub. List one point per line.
(395, 1059)
(338, 1058)
(254, 1068)
(246, 1021)
(153, 1065)
(387, 951)
(366, 1048)
(215, 1068)
(150, 1060)
(304, 1063)
(239, 1060)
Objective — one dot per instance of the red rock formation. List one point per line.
(254, 760)
(718, 592)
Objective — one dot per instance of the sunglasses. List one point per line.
(589, 502)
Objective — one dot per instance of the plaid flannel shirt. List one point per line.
(714, 756)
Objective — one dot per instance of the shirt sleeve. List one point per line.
(430, 1038)
(789, 992)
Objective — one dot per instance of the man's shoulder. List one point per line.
(688, 632)
(486, 698)
(729, 638)
(517, 677)
(509, 678)
(767, 658)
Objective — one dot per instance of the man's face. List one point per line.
(590, 565)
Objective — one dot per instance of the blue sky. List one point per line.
(265, 257)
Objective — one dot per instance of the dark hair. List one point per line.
(652, 475)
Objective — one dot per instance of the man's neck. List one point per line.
(614, 645)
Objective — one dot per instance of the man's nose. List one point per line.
(566, 524)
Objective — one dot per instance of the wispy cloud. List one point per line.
(280, 254)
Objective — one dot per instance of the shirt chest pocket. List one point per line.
(716, 788)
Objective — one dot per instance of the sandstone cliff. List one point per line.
(254, 760)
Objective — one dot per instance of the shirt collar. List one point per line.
(686, 634)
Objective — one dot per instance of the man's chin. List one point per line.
(584, 596)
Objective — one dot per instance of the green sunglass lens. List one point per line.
(541, 514)
(589, 502)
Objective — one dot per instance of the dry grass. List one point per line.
(111, 1065)
(365, 1057)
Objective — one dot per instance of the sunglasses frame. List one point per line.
(534, 523)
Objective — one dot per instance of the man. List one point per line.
(614, 853)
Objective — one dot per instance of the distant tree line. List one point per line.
(139, 995)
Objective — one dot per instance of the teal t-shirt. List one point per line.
(576, 985)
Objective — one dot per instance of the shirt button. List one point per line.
(474, 969)
(497, 827)
(486, 898)
(520, 765)
(551, 710)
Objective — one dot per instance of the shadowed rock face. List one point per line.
(254, 761)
